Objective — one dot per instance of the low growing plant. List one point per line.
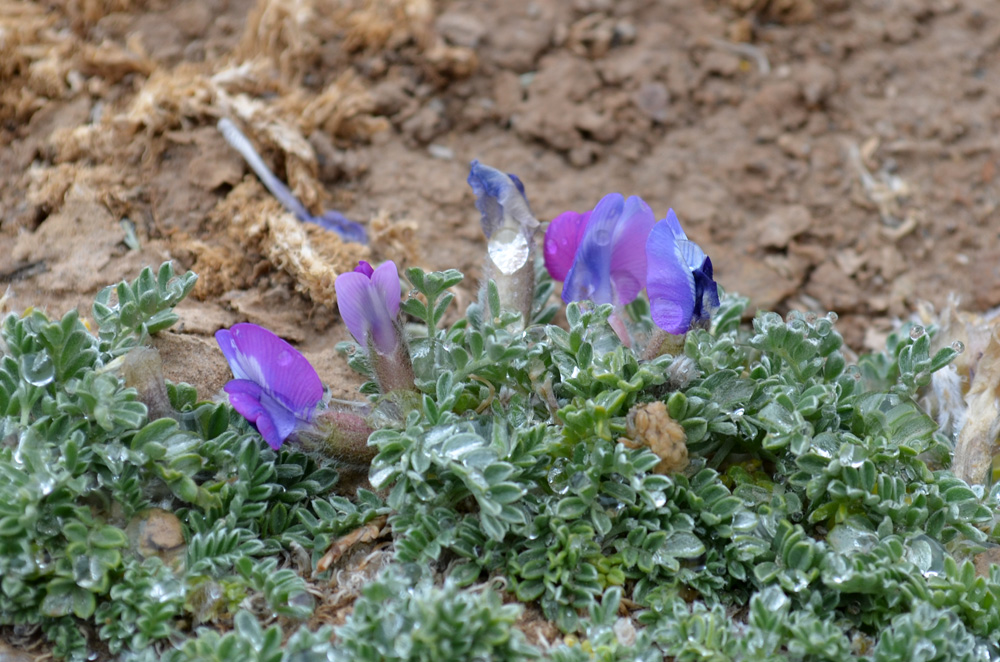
(651, 479)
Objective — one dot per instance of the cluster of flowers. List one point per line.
(606, 255)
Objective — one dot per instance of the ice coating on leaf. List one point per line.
(610, 261)
(369, 304)
(275, 385)
(679, 278)
(509, 250)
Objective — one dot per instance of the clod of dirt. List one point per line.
(194, 359)
(784, 11)
(784, 224)
(553, 110)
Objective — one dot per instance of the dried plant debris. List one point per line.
(650, 425)
(168, 102)
(965, 396)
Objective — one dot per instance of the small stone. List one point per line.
(156, 532)
(460, 29)
(653, 99)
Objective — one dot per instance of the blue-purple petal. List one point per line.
(670, 282)
(500, 198)
(278, 368)
(490, 186)
(273, 420)
(706, 299)
(628, 251)
(590, 275)
(228, 346)
(276, 423)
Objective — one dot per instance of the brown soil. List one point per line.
(827, 154)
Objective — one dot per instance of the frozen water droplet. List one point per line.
(832, 316)
(916, 331)
(927, 554)
(381, 477)
(846, 538)
(284, 358)
(558, 480)
(683, 545)
(958, 346)
(38, 369)
(602, 237)
(509, 250)
(457, 448)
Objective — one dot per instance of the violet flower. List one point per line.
(510, 228)
(681, 290)
(600, 254)
(368, 300)
(276, 388)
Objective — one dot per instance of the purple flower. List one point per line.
(510, 228)
(601, 254)
(275, 387)
(501, 200)
(680, 286)
(368, 300)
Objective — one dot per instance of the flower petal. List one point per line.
(244, 396)
(501, 200)
(278, 368)
(706, 292)
(272, 419)
(674, 225)
(562, 238)
(276, 422)
(628, 252)
(363, 306)
(670, 283)
(228, 347)
(364, 267)
(590, 275)
(694, 256)
(352, 294)
(386, 282)
(488, 184)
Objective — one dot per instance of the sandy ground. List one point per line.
(829, 155)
